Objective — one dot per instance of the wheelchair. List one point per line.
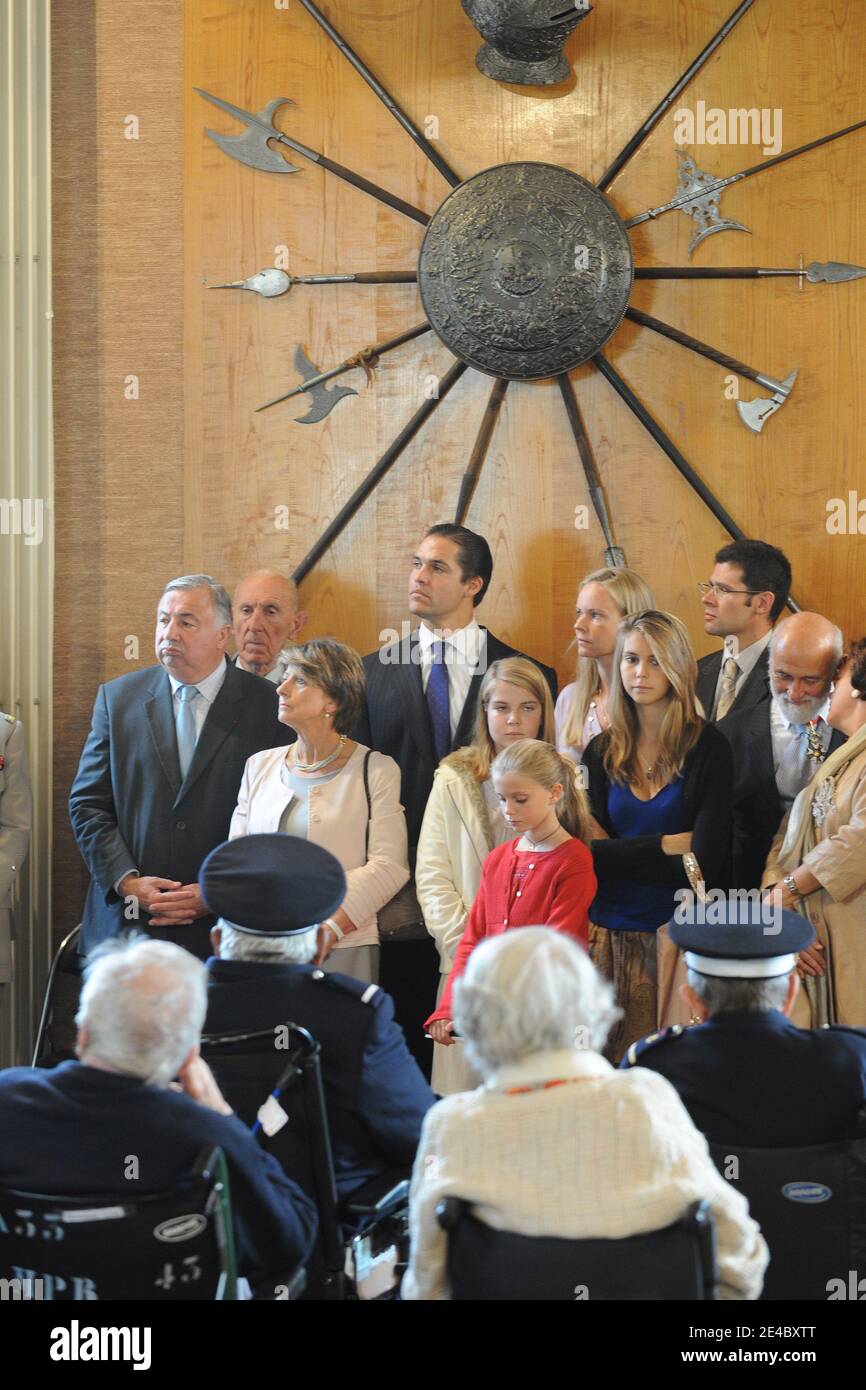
(175, 1246)
(811, 1206)
(362, 1248)
(485, 1264)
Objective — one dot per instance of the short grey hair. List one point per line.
(143, 1004)
(529, 990)
(279, 950)
(738, 996)
(219, 594)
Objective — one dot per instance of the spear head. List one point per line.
(252, 147)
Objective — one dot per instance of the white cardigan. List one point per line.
(338, 822)
(455, 840)
(613, 1154)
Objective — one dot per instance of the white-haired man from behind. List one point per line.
(618, 1160)
(115, 1122)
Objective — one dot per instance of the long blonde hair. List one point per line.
(477, 756)
(631, 594)
(540, 762)
(682, 724)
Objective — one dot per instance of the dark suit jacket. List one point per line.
(375, 1093)
(751, 693)
(758, 808)
(127, 804)
(396, 720)
(72, 1129)
(756, 1080)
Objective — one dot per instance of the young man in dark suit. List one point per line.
(744, 596)
(159, 775)
(422, 694)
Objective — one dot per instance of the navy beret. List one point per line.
(740, 936)
(272, 885)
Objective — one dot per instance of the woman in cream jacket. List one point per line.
(335, 793)
(463, 823)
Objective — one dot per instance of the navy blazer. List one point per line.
(129, 806)
(72, 1130)
(374, 1091)
(396, 720)
(755, 1080)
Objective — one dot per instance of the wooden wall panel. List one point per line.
(143, 229)
(776, 484)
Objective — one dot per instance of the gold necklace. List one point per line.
(323, 762)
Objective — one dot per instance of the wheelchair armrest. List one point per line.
(372, 1200)
(450, 1212)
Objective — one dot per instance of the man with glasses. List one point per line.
(744, 596)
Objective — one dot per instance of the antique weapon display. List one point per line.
(526, 269)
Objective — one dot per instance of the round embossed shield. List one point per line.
(525, 270)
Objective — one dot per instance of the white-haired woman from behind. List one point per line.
(619, 1159)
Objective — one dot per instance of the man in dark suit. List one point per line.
(781, 736)
(159, 775)
(744, 596)
(422, 694)
(112, 1124)
(267, 890)
(745, 1074)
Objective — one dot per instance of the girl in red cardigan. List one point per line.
(543, 878)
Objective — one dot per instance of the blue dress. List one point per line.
(625, 905)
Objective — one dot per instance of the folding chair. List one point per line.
(66, 966)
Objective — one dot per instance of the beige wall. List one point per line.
(143, 227)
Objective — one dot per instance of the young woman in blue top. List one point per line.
(660, 784)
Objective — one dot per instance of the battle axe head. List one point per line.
(252, 147)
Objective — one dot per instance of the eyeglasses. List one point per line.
(722, 590)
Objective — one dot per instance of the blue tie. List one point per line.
(186, 730)
(438, 703)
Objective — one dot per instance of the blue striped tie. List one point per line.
(187, 734)
(438, 702)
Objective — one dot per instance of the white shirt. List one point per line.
(277, 673)
(746, 658)
(792, 766)
(464, 654)
(208, 689)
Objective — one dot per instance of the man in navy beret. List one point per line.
(272, 895)
(745, 1074)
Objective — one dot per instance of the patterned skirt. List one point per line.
(629, 960)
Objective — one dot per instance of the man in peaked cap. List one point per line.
(745, 1074)
(273, 896)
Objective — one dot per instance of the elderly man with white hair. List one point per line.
(113, 1123)
(557, 1143)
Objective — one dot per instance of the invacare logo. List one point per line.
(77, 1343)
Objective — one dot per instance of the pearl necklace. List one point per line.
(323, 762)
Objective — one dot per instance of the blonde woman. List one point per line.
(463, 822)
(818, 863)
(545, 875)
(605, 597)
(333, 792)
(660, 784)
